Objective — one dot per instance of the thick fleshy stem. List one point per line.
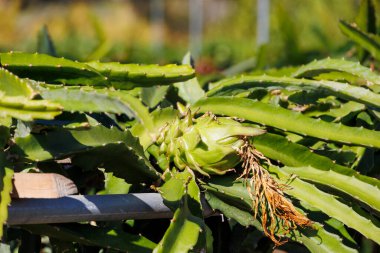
(277, 212)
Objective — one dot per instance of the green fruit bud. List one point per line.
(207, 144)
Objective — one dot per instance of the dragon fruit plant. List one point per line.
(291, 158)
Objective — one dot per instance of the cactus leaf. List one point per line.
(152, 96)
(362, 191)
(12, 85)
(232, 198)
(6, 175)
(42, 67)
(5, 124)
(99, 100)
(329, 65)
(114, 185)
(369, 42)
(91, 148)
(320, 169)
(278, 117)
(189, 90)
(94, 236)
(366, 21)
(328, 204)
(45, 44)
(140, 112)
(278, 148)
(341, 90)
(78, 100)
(348, 110)
(128, 76)
(125, 161)
(187, 229)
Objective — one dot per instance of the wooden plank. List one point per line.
(42, 185)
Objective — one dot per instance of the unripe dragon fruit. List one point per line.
(207, 144)
(214, 146)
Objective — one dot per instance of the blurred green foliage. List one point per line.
(121, 30)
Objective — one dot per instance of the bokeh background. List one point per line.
(219, 33)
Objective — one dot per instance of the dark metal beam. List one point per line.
(80, 208)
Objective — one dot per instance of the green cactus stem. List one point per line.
(338, 89)
(42, 67)
(286, 120)
(369, 42)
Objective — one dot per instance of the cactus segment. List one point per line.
(348, 110)
(13, 86)
(140, 112)
(278, 117)
(152, 96)
(369, 42)
(128, 76)
(99, 100)
(291, 154)
(6, 175)
(78, 100)
(325, 241)
(5, 124)
(114, 185)
(45, 44)
(363, 192)
(187, 229)
(94, 236)
(231, 198)
(366, 21)
(329, 65)
(341, 90)
(189, 90)
(27, 110)
(328, 204)
(91, 148)
(41, 67)
(46, 68)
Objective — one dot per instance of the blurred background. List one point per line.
(219, 33)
